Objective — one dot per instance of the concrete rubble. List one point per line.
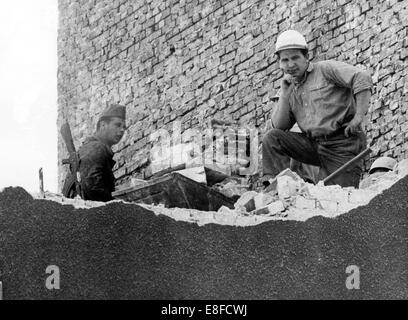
(232, 187)
(290, 198)
(76, 202)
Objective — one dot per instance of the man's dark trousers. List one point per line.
(327, 152)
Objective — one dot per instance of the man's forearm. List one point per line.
(281, 116)
(362, 102)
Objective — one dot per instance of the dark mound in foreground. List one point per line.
(122, 251)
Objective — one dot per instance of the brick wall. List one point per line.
(190, 60)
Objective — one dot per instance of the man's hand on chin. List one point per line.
(287, 85)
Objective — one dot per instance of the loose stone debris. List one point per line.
(290, 198)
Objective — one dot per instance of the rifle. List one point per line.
(72, 185)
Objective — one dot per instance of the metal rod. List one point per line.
(358, 157)
(40, 173)
(1, 290)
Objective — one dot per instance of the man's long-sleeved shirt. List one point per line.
(96, 163)
(324, 101)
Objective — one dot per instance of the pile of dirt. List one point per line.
(124, 251)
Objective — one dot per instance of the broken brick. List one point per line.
(224, 218)
(286, 186)
(328, 205)
(361, 196)
(304, 203)
(263, 199)
(271, 209)
(341, 195)
(246, 201)
(225, 210)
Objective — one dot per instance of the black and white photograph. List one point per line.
(204, 154)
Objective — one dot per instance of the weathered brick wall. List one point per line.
(190, 60)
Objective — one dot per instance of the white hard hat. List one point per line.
(384, 163)
(290, 39)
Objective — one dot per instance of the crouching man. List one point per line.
(328, 100)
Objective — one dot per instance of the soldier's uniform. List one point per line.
(96, 163)
(96, 170)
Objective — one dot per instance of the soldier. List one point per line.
(328, 100)
(96, 156)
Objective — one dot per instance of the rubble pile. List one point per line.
(232, 187)
(287, 198)
(291, 198)
(77, 202)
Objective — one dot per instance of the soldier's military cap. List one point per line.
(114, 110)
